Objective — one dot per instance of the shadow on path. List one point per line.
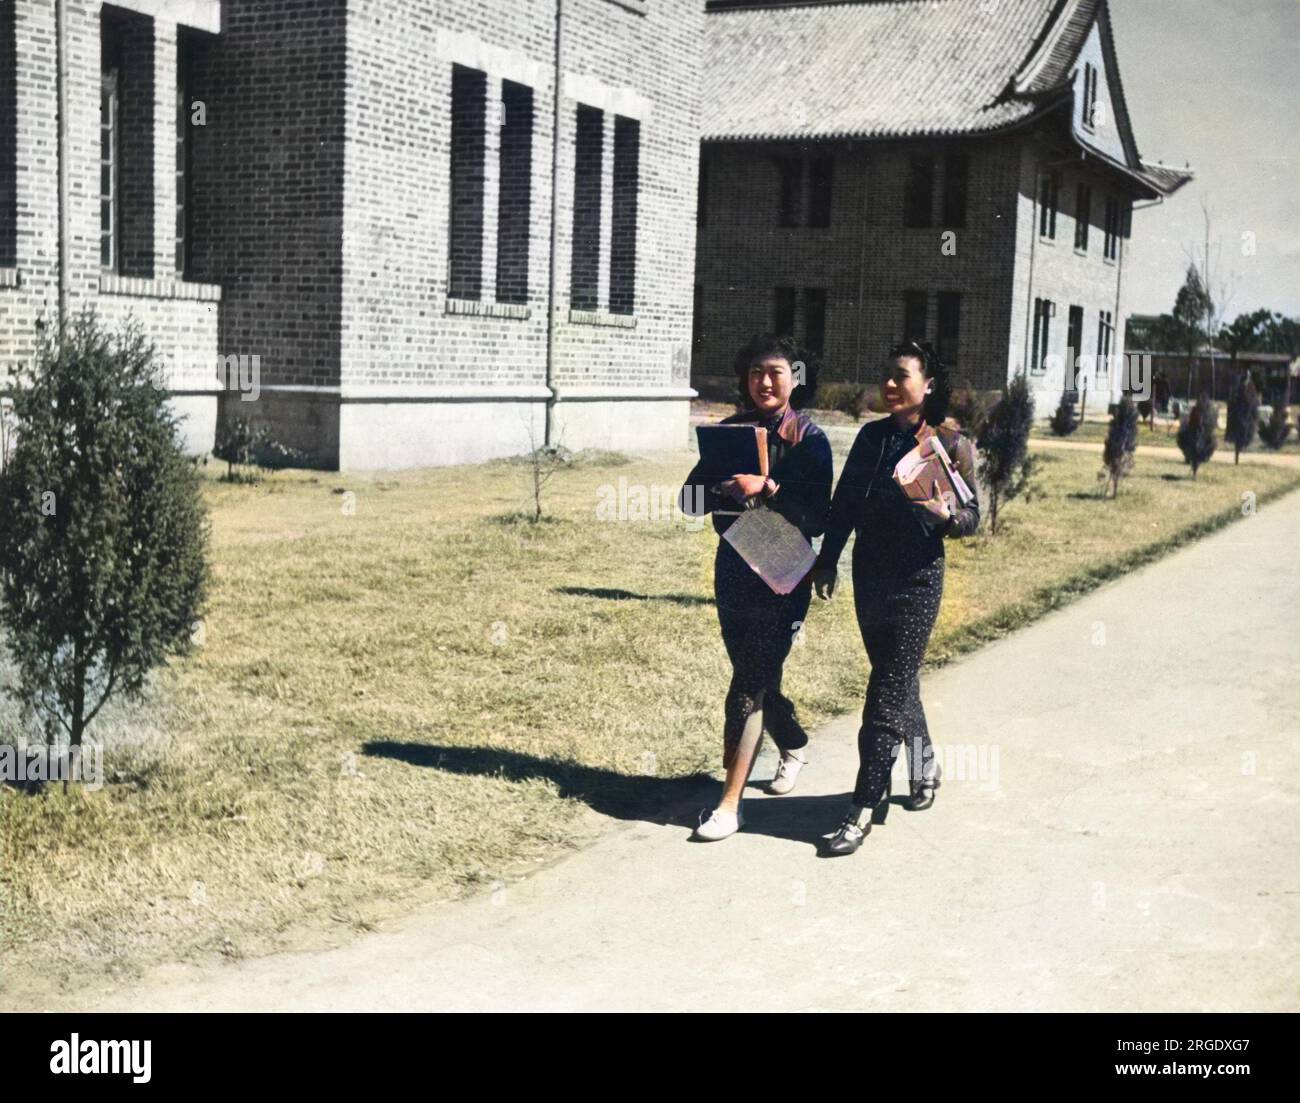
(666, 801)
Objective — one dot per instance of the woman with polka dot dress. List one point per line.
(898, 568)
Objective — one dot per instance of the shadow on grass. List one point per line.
(609, 594)
(671, 802)
(661, 800)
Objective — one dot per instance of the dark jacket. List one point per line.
(804, 472)
(868, 501)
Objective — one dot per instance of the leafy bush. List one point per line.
(970, 408)
(1005, 464)
(1243, 415)
(1121, 442)
(1197, 434)
(847, 398)
(1065, 420)
(1276, 428)
(245, 445)
(103, 530)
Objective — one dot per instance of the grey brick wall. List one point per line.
(181, 319)
(865, 259)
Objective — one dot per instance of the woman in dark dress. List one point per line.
(898, 568)
(758, 624)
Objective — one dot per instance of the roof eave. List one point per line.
(1040, 105)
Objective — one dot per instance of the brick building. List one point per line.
(432, 256)
(959, 170)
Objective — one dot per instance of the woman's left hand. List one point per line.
(933, 511)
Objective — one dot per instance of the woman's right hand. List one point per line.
(742, 487)
(824, 578)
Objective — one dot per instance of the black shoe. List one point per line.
(856, 825)
(923, 792)
(849, 835)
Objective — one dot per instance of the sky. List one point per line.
(1215, 83)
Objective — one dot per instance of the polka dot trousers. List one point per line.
(895, 616)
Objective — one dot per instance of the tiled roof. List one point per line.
(876, 69)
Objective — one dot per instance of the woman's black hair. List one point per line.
(935, 408)
(805, 365)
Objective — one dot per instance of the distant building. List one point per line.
(1214, 372)
(958, 170)
(382, 202)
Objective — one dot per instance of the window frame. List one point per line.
(467, 282)
(956, 196)
(821, 187)
(948, 326)
(1042, 339)
(789, 195)
(781, 308)
(1088, 115)
(918, 186)
(1110, 247)
(916, 308)
(625, 194)
(513, 278)
(588, 215)
(1049, 203)
(1105, 340)
(110, 139)
(1082, 216)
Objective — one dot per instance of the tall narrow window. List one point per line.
(514, 192)
(914, 316)
(697, 320)
(1089, 112)
(783, 311)
(8, 138)
(1043, 311)
(622, 240)
(128, 165)
(1111, 245)
(949, 325)
(184, 63)
(790, 204)
(814, 319)
(589, 138)
(955, 177)
(918, 192)
(1074, 340)
(1105, 338)
(1048, 189)
(702, 195)
(1082, 217)
(109, 120)
(468, 149)
(819, 199)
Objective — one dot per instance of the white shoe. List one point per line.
(719, 825)
(786, 772)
